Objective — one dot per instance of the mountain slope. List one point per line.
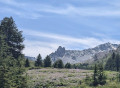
(83, 56)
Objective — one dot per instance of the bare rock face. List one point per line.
(82, 56)
(60, 51)
(58, 54)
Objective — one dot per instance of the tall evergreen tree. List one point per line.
(113, 62)
(11, 67)
(113, 55)
(101, 76)
(13, 37)
(27, 63)
(55, 65)
(58, 64)
(74, 66)
(68, 65)
(95, 76)
(38, 62)
(47, 62)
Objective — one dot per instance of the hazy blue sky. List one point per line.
(74, 24)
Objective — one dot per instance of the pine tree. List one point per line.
(47, 62)
(11, 67)
(95, 76)
(113, 62)
(74, 66)
(13, 37)
(27, 63)
(55, 65)
(58, 64)
(38, 63)
(4, 75)
(68, 65)
(113, 55)
(101, 76)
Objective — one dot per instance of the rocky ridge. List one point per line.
(82, 56)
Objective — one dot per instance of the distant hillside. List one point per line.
(83, 56)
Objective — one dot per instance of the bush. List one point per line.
(68, 65)
(58, 64)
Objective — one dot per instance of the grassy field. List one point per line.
(59, 77)
(63, 78)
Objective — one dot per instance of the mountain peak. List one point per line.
(60, 48)
(106, 47)
(108, 43)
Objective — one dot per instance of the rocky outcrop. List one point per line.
(82, 56)
(58, 54)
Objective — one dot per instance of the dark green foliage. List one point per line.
(113, 62)
(11, 71)
(55, 65)
(4, 75)
(113, 55)
(99, 77)
(95, 76)
(47, 61)
(27, 63)
(68, 65)
(117, 62)
(82, 66)
(11, 58)
(74, 66)
(38, 62)
(13, 38)
(58, 64)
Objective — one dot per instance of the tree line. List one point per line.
(113, 63)
(47, 63)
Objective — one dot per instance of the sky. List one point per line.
(73, 24)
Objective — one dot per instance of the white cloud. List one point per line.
(13, 3)
(36, 10)
(23, 10)
(33, 49)
(63, 38)
(23, 14)
(82, 11)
